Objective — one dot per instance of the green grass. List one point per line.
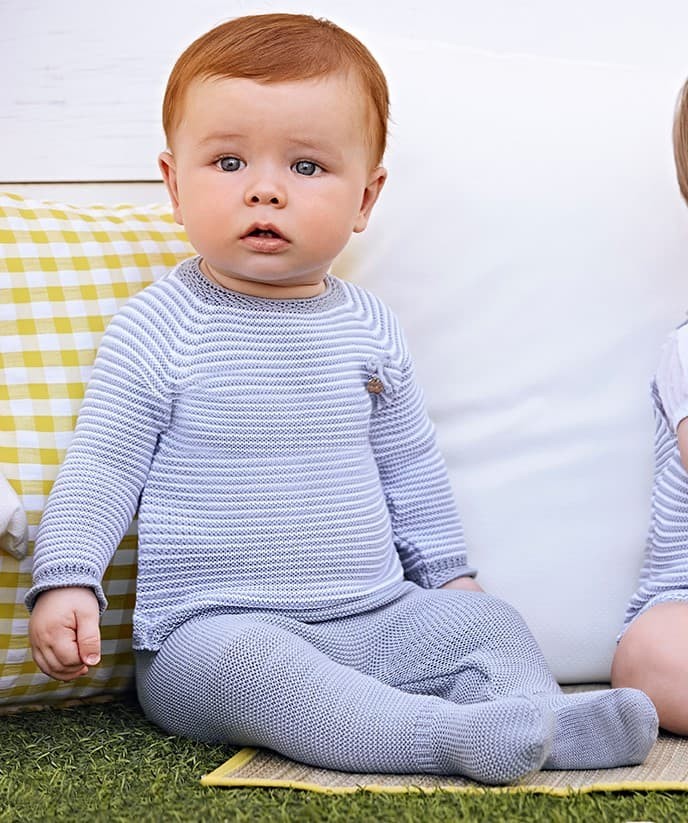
(105, 762)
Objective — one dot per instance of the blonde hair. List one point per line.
(681, 140)
(271, 48)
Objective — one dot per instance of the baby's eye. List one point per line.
(307, 167)
(230, 163)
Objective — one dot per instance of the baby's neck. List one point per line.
(253, 288)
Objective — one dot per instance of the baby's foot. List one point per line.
(494, 742)
(600, 729)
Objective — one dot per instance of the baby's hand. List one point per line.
(463, 583)
(64, 632)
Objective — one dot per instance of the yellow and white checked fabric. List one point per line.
(64, 271)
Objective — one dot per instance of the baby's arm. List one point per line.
(682, 435)
(463, 584)
(64, 632)
(652, 654)
(95, 496)
(427, 529)
(671, 381)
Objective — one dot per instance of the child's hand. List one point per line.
(64, 632)
(463, 583)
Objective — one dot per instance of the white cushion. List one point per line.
(532, 239)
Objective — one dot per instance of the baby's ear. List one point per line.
(169, 175)
(376, 181)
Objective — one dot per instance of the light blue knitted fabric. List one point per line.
(440, 681)
(432, 682)
(664, 574)
(280, 449)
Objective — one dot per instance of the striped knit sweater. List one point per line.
(278, 452)
(664, 575)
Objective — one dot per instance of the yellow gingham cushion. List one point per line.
(64, 271)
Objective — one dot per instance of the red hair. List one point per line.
(273, 48)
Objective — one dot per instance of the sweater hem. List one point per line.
(152, 638)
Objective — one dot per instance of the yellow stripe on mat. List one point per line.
(666, 769)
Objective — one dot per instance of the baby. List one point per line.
(652, 653)
(303, 583)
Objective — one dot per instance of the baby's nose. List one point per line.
(265, 195)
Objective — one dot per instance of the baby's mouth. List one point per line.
(264, 231)
(265, 238)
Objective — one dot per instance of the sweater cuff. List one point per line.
(64, 581)
(435, 574)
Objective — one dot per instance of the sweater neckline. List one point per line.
(189, 272)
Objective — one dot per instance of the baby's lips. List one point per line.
(264, 230)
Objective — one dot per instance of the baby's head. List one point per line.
(276, 126)
(274, 48)
(681, 141)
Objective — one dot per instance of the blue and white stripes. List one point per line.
(271, 476)
(664, 575)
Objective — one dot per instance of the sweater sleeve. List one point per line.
(427, 529)
(96, 493)
(671, 376)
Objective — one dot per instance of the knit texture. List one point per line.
(280, 450)
(664, 574)
(363, 692)
(600, 729)
(438, 681)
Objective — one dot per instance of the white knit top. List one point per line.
(664, 574)
(280, 450)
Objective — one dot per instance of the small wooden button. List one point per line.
(375, 385)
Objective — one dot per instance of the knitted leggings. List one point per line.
(428, 683)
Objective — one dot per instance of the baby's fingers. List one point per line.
(88, 637)
(62, 620)
(56, 651)
(61, 669)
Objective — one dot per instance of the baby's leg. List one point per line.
(240, 680)
(652, 655)
(472, 646)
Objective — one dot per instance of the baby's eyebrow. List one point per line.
(321, 147)
(306, 143)
(325, 149)
(220, 137)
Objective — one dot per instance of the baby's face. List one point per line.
(271, 179)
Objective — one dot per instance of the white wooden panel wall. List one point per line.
(82, 80)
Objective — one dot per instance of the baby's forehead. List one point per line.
(309, 106)
(341, 86)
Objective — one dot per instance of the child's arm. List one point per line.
(671, 387)
(96, 493)
(463, 584)
(682, 435)
(427, 529)
(64, 632)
